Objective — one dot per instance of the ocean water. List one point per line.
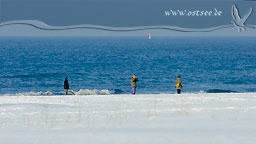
(104, 65)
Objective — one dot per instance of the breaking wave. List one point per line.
(71, 92)
(92, 92)
(47, 93)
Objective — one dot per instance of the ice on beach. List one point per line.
(127, 119)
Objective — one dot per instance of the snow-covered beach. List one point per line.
(114, 119)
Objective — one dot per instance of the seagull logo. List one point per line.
(238, 21)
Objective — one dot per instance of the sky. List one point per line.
(123, 13)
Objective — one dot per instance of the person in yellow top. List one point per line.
(134, 80)
(178, 85)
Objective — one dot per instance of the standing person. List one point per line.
(66, 86)
(134, 80)
(178, 85)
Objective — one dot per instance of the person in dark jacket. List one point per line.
(178, 85)
(134, 80)
(66, 86)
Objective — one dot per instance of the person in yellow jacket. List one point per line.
(134, 80)
(178, 85)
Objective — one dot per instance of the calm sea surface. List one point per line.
(206, 64)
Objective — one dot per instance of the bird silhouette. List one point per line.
(238, 21)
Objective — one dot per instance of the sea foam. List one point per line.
(71, 92)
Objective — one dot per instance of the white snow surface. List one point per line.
(127, 119)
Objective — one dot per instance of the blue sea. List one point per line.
(205, 64)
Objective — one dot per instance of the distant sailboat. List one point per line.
(149, 36)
